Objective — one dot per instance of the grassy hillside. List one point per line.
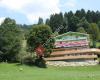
(22, 72)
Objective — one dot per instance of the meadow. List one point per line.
(22, 72)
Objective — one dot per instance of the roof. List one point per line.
(71, 36)
(72, 33)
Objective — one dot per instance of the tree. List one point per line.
(56, 22)
(40, 35)
(97, 16)
(83, 23)
(80, 13)
(89, 16)
(47, 22)
(81, 30)
(94, 32)
(73, 23)
(92, 16)
(10, 38)
(65, 24)
(40, 21)
(99, 25)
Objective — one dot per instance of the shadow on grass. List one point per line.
(40, 63)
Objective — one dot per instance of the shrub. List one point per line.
(28, 59)
(40, 63)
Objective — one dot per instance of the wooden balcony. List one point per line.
(72, 57)
(74, 54)
(85, 51)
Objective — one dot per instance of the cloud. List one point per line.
(1, 19)
(32, 9)
(14, 4)
(42, 8)
(69, 4)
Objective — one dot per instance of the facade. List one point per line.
(73, 47)
(72, 40)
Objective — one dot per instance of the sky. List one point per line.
(28, 11)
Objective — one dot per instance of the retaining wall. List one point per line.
(76, 63)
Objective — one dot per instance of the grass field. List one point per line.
(22, 72)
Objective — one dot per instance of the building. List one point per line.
(73, 48)
(72, 40)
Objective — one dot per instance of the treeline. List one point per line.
(80, 21)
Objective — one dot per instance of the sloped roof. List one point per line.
(68, 34)
(72, 33)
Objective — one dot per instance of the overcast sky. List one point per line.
(28, 11)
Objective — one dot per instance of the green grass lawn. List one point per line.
(13, 72)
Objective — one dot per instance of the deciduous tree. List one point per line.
(10, 38)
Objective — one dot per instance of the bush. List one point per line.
(31, 59)
(40, 63)
(28, 59)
